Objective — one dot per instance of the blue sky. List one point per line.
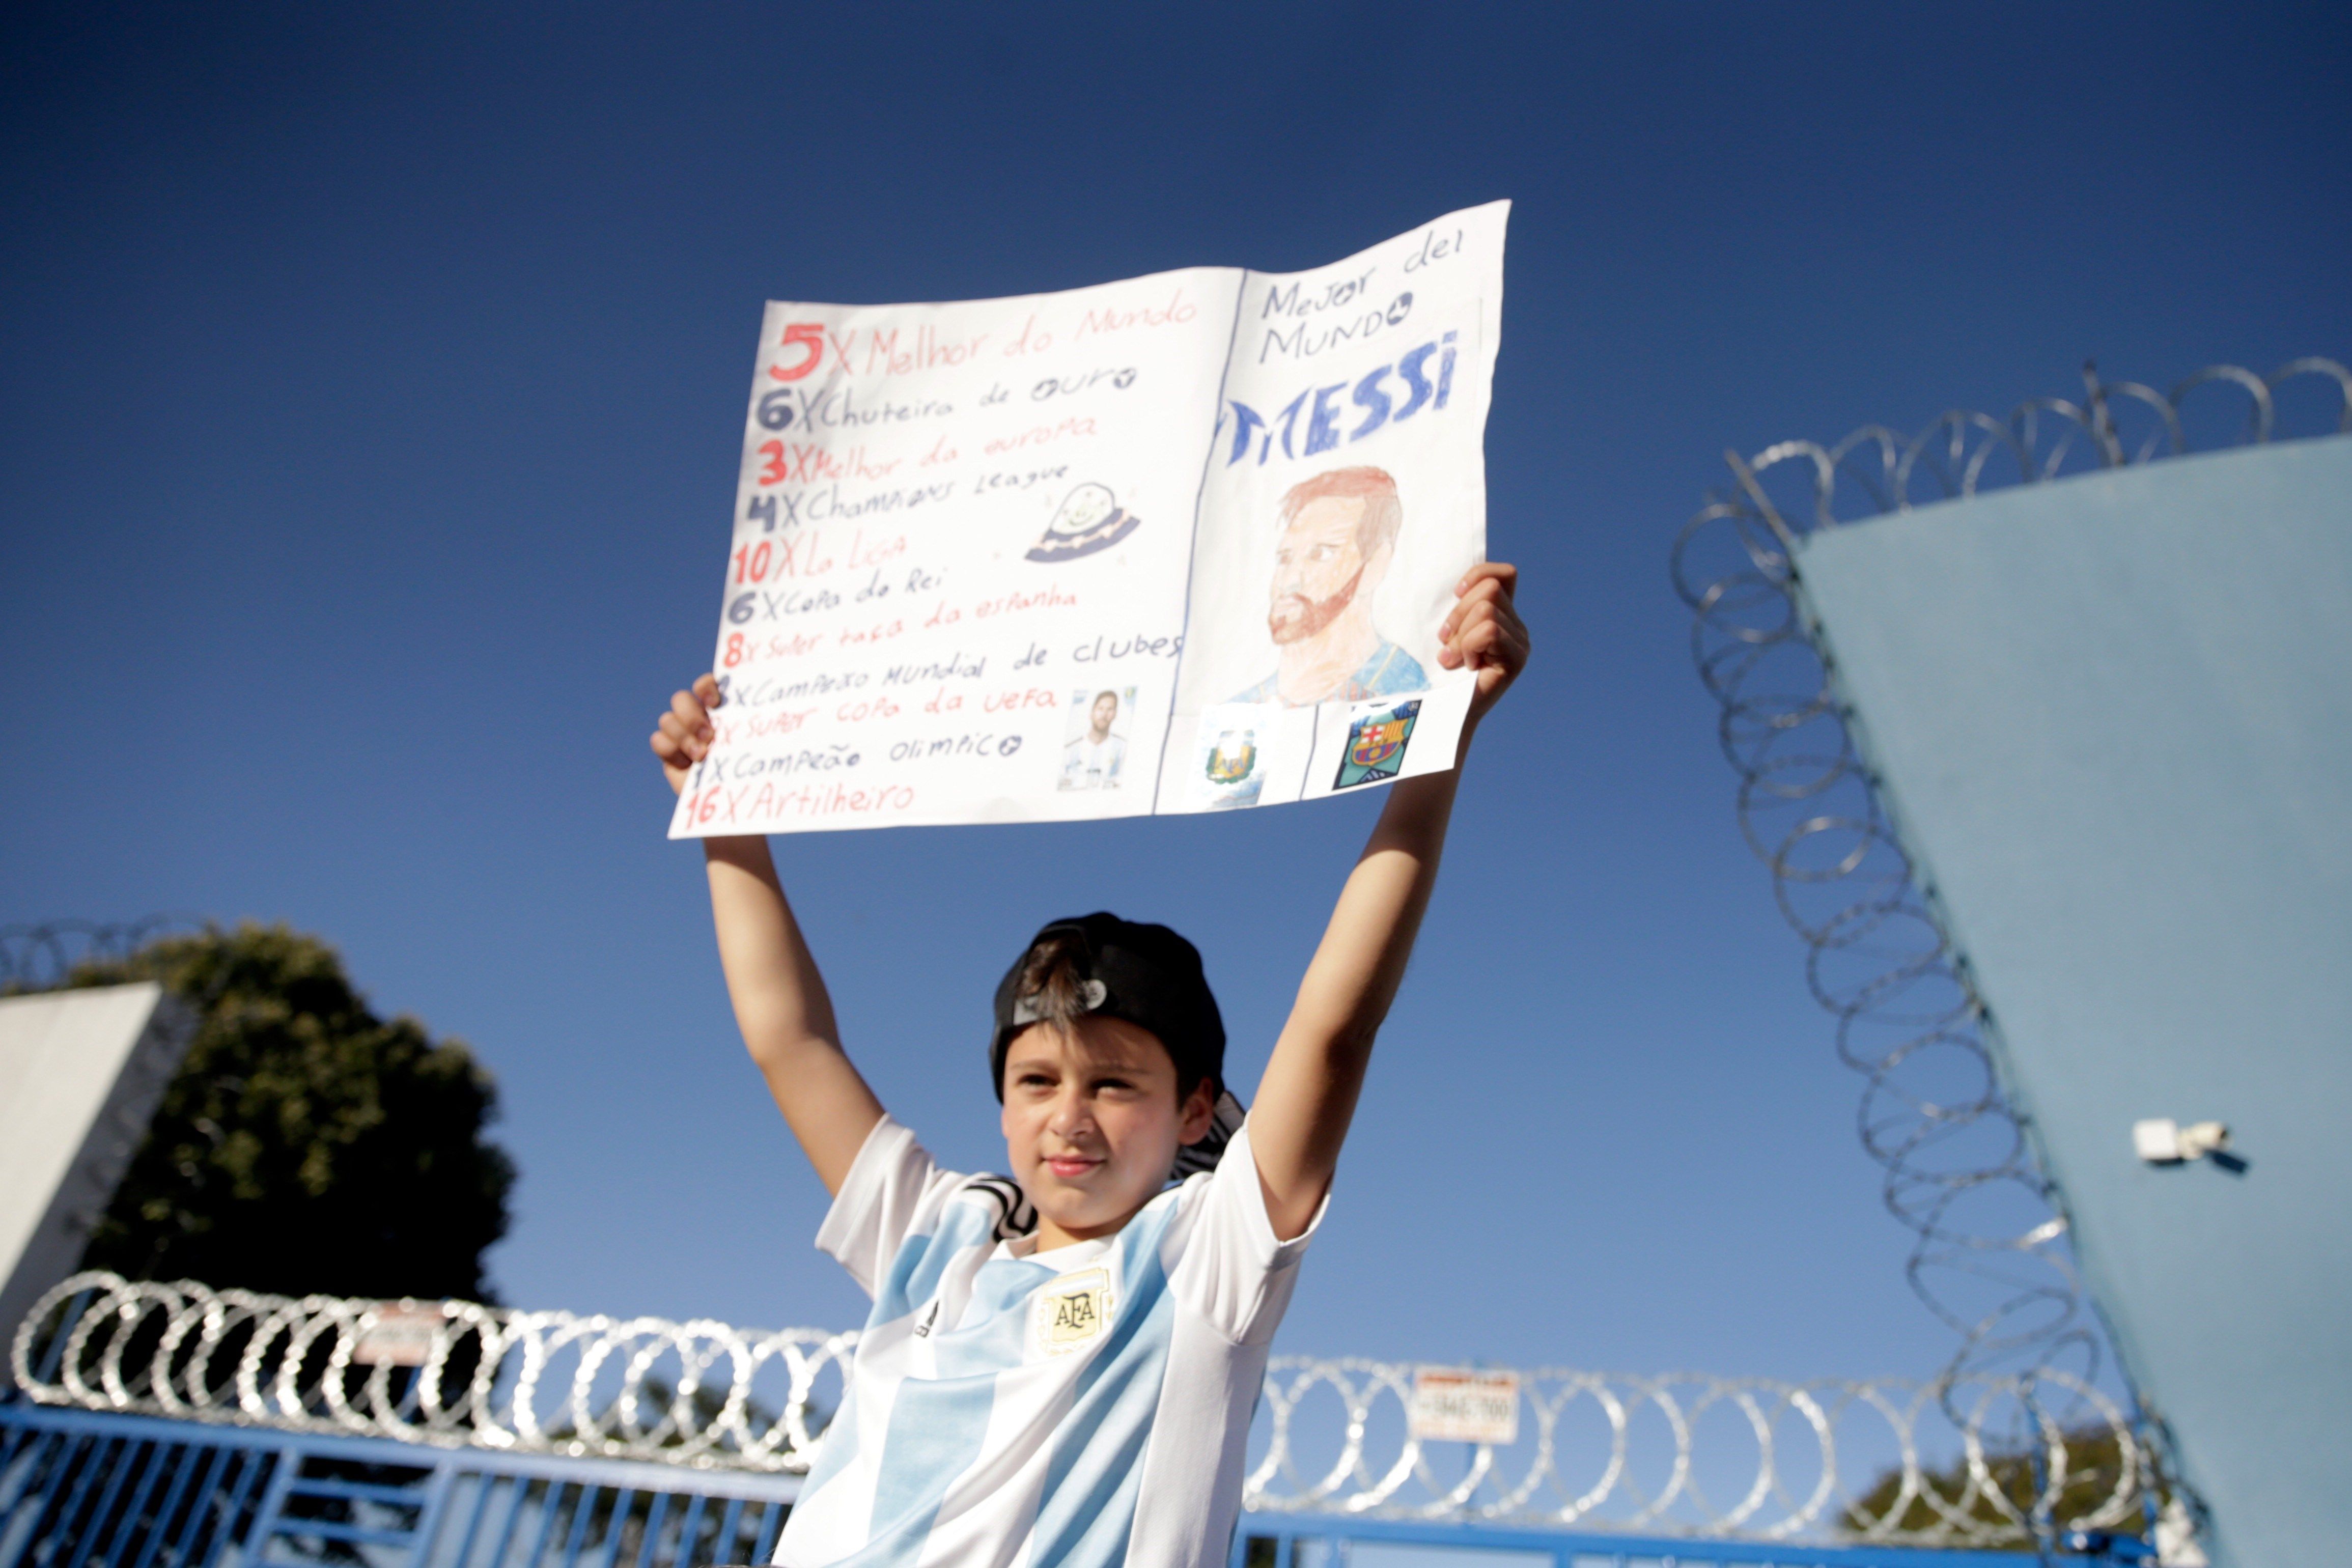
(370, 387)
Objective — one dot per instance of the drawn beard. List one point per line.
(1311, 617)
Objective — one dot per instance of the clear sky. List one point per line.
(369, 392)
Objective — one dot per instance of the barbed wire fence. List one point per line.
(1682, 1453)
(1991, 1255)
(43, 957)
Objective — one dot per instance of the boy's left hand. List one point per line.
(1484, 634)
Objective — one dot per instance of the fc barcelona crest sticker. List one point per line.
(1376, 742)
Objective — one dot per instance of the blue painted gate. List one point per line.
(86, 1489)
(81, 1489)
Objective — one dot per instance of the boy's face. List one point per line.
(1092, 1123)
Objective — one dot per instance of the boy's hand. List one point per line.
(1484, 633)
(685, 733)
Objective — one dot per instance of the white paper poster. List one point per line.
(1177, 544)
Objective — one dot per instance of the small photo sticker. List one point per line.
(1376, 742)
(1094, 740)
(1229, 771)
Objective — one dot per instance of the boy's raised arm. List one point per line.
(1308, 1094)
(780, 998)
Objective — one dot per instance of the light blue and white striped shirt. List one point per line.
(1084, 1407)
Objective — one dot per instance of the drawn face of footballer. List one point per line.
(1320, 570)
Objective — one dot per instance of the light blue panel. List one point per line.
(2113, 718)
(1403, 1554)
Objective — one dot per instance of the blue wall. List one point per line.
(2112, 716)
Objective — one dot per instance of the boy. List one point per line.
(1059, 1370)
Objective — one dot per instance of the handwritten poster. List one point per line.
(1173, 544)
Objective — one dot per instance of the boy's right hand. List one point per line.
(684, 736)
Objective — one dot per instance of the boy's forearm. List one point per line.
(1361, 960)
(779, 996)
(783, 1010)
(1413, 822)
(1307, 1097)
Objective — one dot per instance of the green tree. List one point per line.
(306, 1145)
(2094, 1460)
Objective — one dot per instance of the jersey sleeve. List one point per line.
(893, 1191)
(1234, 1273)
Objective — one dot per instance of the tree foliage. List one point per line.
(306, 1145)
(2094, 1460)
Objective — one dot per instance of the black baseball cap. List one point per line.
(1145, 975)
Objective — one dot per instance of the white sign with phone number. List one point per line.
(1173, 544)
(1459, 1404)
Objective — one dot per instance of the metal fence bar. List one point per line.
(254, 1464)
(689, 1529)
(158, 1461)
(550, 1501)
(196, 1460)
(583, 1511)
(624, 1499)
(196, 1525)
(273, 1501)
(655, 1517)
(1573, 1547)
(729, 1524)
(435, 1503)
(91, 1463)
(104, 1520)
(772, 1525)
(483, 1487)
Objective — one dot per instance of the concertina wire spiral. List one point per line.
(1596, 1451)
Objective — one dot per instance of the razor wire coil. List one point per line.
(639, 1388)
(1596, 1451)
(1778, 1471)
(43, 957)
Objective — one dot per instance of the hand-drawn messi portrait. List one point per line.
(1338, 538)
(1095, 752)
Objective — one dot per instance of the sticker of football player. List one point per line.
(1339, 537)
(1093, 757)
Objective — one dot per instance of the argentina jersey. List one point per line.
(1082, 1407)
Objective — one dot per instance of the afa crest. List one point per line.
(1232, 757)
(1073, 1311)
(1376, 743)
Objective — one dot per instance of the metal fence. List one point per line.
(1683, 1456)
(43, 957)
(79, 1489)
(1693, 1456)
